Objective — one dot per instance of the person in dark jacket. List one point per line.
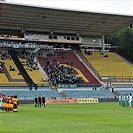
(43, 101)
(39, 101)
(36, 101)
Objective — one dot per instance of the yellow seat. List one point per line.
(35, 75)
(109, 66)
(80, 74)
(13, 74)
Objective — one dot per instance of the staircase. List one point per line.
(63, 94)
(36, 49)
(88, 66)
(20, 67)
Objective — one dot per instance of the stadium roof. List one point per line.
(29, 18)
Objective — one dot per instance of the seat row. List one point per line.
(25, 94)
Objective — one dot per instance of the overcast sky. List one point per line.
(106, 6)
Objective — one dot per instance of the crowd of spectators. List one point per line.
(59, 74)
(30, 63)
(3, 56)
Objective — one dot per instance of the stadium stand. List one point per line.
(69, 59)
(34, 73)
(61, 66)
(25, 94)
(88, 93)
(3, 79)
(12, 69)
(9, 74)
(109, 64)
(16, 60)
(124, 91)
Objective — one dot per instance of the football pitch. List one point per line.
(74, 118)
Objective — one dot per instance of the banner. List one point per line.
(88, 100)
(72, 101)
(62, 101)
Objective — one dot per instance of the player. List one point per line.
(11, 104)
(39, 101)
(7, 104)
(3, 102)
(15, 103)
(36, 101)
(0, 103)
(126, 100)
(130, 100)
(120, 100)
(43, 101)
(123, 100)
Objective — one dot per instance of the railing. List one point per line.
(67, 85)
(121, 79)
(90, 66)
(45, 39)
(117, 85)
(12, 45)
(36, 49)
(78, 85)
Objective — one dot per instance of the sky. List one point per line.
(123, 7)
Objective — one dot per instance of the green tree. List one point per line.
(124, 40)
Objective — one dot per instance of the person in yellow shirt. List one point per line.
(11, 104)
(15, 103)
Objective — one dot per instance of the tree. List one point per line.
(124, 40)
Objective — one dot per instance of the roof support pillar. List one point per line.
(103, 43)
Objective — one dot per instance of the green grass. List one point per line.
(74, 118)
